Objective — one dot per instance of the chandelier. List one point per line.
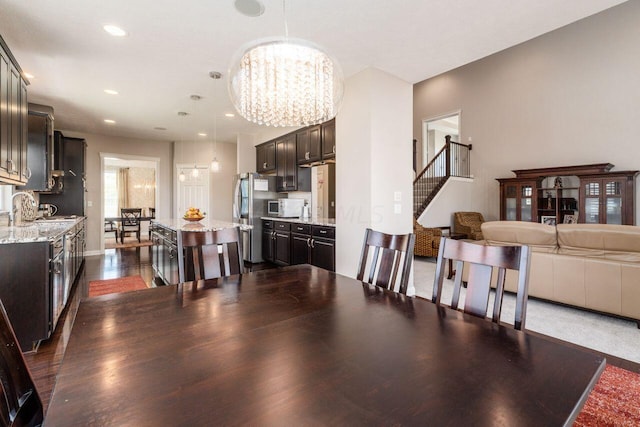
(285, 82)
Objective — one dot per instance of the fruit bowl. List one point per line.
(186, 218)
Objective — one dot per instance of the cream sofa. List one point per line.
(592, 266)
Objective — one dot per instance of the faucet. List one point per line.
(12, 210)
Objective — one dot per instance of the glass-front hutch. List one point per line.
(589, 194)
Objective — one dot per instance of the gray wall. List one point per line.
(571, 96)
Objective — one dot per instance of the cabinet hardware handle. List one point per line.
(334, 149)
(306, 155)
(27, 172)
(312, 243)
(264, 165)
(323, 231)
(12, 166)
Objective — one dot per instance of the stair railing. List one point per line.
(452, 160)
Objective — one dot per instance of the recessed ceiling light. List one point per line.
(115, 30)
(159, 128)
(29, 75)
(109, 121)
(111, 91)
(251, 8)
(202, 134)
(229, 115)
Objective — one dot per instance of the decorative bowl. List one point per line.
(192, 219)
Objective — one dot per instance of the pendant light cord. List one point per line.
(284, 14)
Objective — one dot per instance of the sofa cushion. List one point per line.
(607, 241)
(539, 237)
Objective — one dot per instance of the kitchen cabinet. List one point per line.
(329, 140)
(309, 145)
(13, 120)
(40, 148)
(294, 243)
(164, 253)
(266, 157)
(267, 240)
(70, 201)
(286, 165)
(591, 193)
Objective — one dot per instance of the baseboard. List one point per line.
(92, 253)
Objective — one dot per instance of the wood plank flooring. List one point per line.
(44, 363)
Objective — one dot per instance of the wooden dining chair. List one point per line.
(111, 227)
(387, 258)
(130, 222)
(20, 404)
(209, 254)
(481, 260)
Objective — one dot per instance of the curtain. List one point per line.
(123, 188)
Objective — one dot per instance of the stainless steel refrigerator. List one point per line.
(251, 192)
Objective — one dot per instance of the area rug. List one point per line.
(114, 286)
(614, 401)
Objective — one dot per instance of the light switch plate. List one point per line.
(397, 208)
(397, 196)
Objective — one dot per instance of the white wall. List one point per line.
(374, 160)
(455, 196)
(246, 154)
(568, 97)
(97, 144)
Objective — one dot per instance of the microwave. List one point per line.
(285, 208)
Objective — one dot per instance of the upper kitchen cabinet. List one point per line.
(13, 120)
(266, 157)
(40, 148)
(287, 168)
(309, 145)
(329, 140)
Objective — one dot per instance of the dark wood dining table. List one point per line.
(301, 345)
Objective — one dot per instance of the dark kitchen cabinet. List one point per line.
(329, 140)
(164, 253)
(281, 243)
(25, 291)
(70, 201)
(286, 165)
(300, 243)
(13, 120)
(267, 240)
(313, 244)
(40, 148)
(266, 157)
(308, 145)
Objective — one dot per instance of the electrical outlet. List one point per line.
(397, 196)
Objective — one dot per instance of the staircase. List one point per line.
(452, 160)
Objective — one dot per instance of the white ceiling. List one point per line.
(172, 46)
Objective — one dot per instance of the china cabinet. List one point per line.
(584, 194)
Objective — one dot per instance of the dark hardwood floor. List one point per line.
(45, 362)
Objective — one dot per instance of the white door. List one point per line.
(194, 190)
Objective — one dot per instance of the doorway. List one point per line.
(127, 182)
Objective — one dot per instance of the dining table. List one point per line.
(300, 345)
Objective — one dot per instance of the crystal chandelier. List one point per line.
(285, 82)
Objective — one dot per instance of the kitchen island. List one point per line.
(39, 262)
(164, 236)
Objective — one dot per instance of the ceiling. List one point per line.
(172, 46)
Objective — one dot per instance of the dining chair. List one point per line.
(20, 404)
(482, 260)
(152, 215)
(209, 254)
(130, 222)
(387, 258)
(111, 227)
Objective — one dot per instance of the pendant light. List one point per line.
(215, 164)
(285, 82)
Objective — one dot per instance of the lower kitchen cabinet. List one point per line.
(164, 253)
(288, 243)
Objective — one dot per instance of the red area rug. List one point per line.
(114, 286)
(614, 401)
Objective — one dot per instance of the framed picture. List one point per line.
(570, 219)
(548, 219)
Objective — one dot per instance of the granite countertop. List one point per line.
(37, 231)
(331, 222)
(206, 224)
